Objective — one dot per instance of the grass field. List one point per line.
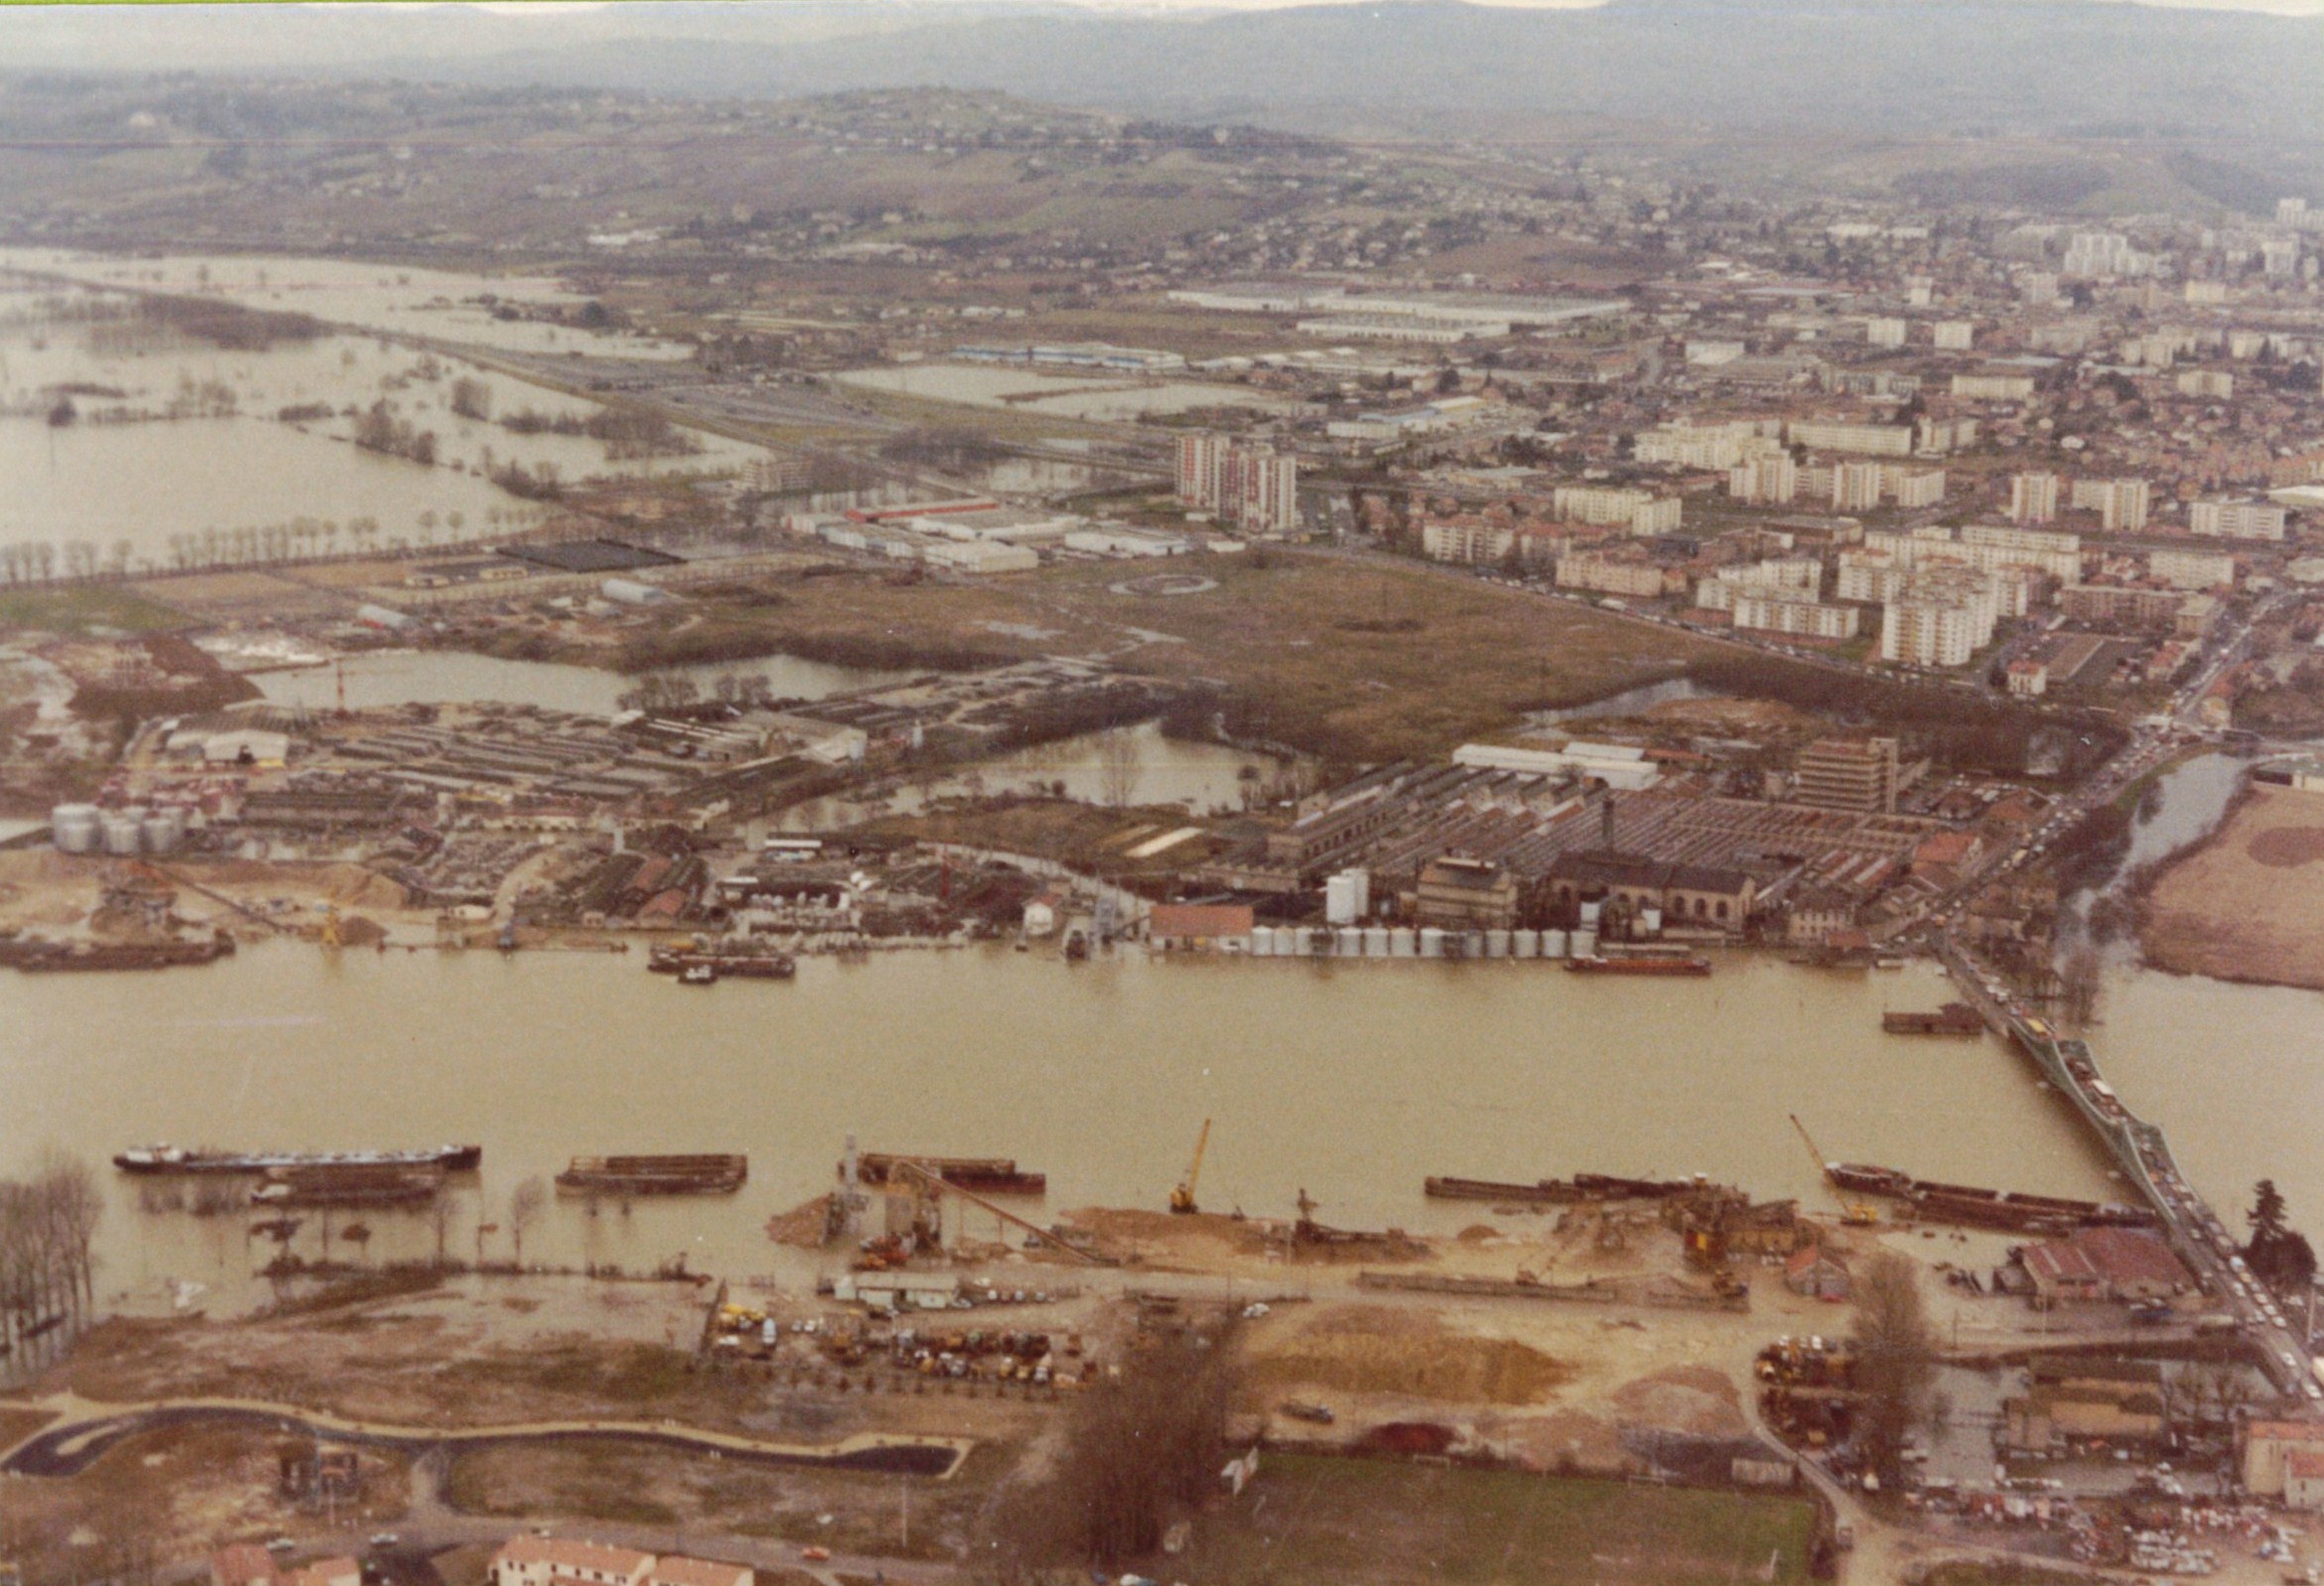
(80, 609)
(1308, 1519)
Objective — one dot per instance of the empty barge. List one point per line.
(1637, 963)
(1560, 1191)
(656, 1176)
(2013, 1211)
(722, 965)
(987, 1175)
(348, 1185)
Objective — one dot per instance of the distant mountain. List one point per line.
(1866, 67)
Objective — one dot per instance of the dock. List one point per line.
(1588, 1292)
(992, 1175)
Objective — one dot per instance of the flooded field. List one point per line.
(1025, 390)
(448, 677)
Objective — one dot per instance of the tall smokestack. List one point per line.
(1605, 818)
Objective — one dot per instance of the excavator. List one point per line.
(1856, 1213)
(1182, 1198)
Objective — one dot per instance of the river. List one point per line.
(1352, 1081)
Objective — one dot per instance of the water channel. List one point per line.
(383, 678)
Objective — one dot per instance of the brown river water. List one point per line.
(1352, 1081)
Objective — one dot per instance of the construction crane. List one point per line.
(1182, 1198)
(1857, 1214)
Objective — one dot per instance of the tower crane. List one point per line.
(1182, 1198)
(1857, 1214)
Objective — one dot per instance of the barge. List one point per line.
(656, 1176)
(180, 1159)
(721, 965)
(347, 1185)
(1954, 1018)
(1636, 964)
(49, 958)
(2012, 1211)
(987, 1175)
(1581, 1187)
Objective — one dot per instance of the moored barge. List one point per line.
(1954, 1018)
(1636, 964)
(1559, 1191)
(987, 1175)
(722, 965)
(181, 1159)
(706, 1174)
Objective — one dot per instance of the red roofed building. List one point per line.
(2268, 1450)
(2303, 1479)
(242, 1565)
(1196, 924)
(2106, 1264)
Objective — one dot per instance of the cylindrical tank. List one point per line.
(1585, 944)
(1376, 941)
(1589, 915)
(124, 834)
(1262, 941)
(1350, 942)
(1473, 944)
(1650, 921)
(1556, 944)
(1431, 942)
(1496, 944)
(1525, 944)
(1340, 900)
(76, 827)
(159, 834)
(1290, 941)
(1401, 941)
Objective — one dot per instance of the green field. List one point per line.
(78, 609)
(1310, 1518)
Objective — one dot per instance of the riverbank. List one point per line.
(2248, 903)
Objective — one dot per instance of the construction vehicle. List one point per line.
(1856, 1213)
(1182, 1198)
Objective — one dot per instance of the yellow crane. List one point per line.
(1182, 1198)
(1857, 1214)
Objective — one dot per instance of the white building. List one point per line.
(2193, 570)
(2236, 520)
(1955, 335)
(558, 1561)
(1855, 487)
(2033, 497)
(2121, 504)
(1827, 435)
(1993, 387)
(1795, 612)
(1943, 616)
(1882, 331)
(2207, 384)
(1472, 540)
(1639, 511)
(1769, 480)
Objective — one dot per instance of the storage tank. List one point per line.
(1650, 921)
(1496, 944)
(1431, 942)
(1361, 880)
(1290, 941)
(1262, 941)
(74, 827)
(1401, 941)
(1556, 944)
(1473, 944)
(1585, 944)
(1525, 944)
(122, 830)
(1376, 941)
(1348, 942)
(1589, 915)
(159, 834)
(1340, 900)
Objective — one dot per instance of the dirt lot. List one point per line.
(173, 1495)
(46, 891)
(2249, 905)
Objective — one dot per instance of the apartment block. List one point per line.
(1250, 487)
(1469, 540)
(1876, 439)
(1770, 480)
(1610, 575)
(1993, 387)
(1942, 617)
(1955, 335)
(1794, 611)
(2236, 520)
(2121, 504)
(2192, 570)
(2207, 384)
(2033, 497)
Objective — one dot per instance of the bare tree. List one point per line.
(525, 1209)
(1896, 1360)
(441, 1212)
(1118, 757)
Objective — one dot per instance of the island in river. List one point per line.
(2247, 903)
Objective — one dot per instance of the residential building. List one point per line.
(1847, 774)
(1201, 463)
(1884, 332)
(2192, 570)
(2028, 678)
(1873, 576)
(1993, 387)
(2121, 504)
(1769, 480)
(1913, 487)
(2216, 384)
(1955, 335)
(1855, 487)
(1610, 573)
(1704, 446)
(2033, 497)
(560, 1562)
(1795, 612)
(1998, 545)
(1472, 540)
(1639, 511)
(2123, 605)
(1944, 614)
(1254, 488)
(1879, 439)
(2236, 520)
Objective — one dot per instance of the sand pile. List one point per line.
(1373, 1349)
(1684, 1398)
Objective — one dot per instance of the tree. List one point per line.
(441, 1212)
(524, 1210)
(1896, 1359)
(1118, 758)
(2266, 1216)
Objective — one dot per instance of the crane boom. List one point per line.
(1823, 1162)
(1182, 1198)
(1857, 1214)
